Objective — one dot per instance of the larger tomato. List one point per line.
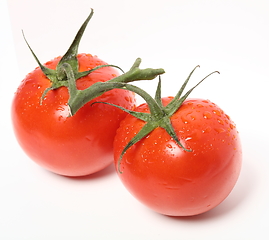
(178, 180)
(71, 146)
(53, 116)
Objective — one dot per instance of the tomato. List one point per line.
(179, 180)
(71, 146)
(53, 114)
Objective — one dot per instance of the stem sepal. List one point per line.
(66, 74)
(159, 115)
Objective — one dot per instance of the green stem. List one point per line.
(175, 104)
(71, 55)
(147, 128)
(159, 114)
(66, 74)
(79, 98)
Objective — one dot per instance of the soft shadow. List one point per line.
(101, 174)
(245, 184)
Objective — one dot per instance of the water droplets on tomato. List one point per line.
(207, 115)
(207, 130)
(169, 145)
(60, 108)
(62, 112)
(220, 121)
(217, 112)
(129, 99)
(188, 138)
(193, 118)
(127, 161)
(227, 116)
(60, 118)
(219, 130)
(185, 119)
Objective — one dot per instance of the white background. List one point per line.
(231, 36)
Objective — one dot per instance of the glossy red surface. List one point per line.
(175, 182)
(71, 146)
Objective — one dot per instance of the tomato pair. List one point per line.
(178, 156)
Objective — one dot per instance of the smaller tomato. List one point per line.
(179, 157)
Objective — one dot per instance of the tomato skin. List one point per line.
(70, 146)
(170, 180)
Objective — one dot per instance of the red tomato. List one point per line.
(170, 180)
(71, 146)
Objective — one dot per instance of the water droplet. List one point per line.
(207, 115)
(220, 121)
(127, 99)
(184, 120)
(127, 161)
(62, 112)
(60, 108)
(219, 130)
(169, 145)
(188, 138)
(217, 112)
(207, 130)
(144, 160)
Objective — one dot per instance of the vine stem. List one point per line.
(79, 98)
(66, 74)
(159, 115)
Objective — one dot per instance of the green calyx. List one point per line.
(80, 97)
(66, 74)
(159, 115)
